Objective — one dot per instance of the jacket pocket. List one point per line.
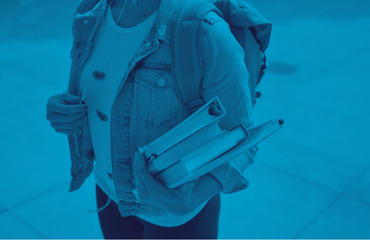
(155, 102)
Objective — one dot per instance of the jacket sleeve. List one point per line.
(226, 76)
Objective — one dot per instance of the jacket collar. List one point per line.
(163, 20)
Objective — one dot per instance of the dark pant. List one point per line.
(113, 225)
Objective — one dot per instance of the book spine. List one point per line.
(186, 146)
(152, 169)
(173, 173)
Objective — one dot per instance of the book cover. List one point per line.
(210, 113)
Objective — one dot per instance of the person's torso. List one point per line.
(137, 106)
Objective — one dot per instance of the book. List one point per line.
(203, 155)
(197, 145)
(207, 115)
(255, 136)
(180, 150)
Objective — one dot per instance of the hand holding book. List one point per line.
(197, 145)
(177, 201)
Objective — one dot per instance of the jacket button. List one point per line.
(123, 160)
(161, 82)
(243, 5)
(86, 22)
(101, 115)
(98, 75)
(110, 175)
(124, 120)
(147, 45)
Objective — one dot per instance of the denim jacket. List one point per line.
(145, 108)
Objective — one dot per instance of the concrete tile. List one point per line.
(312, 45)
(329, 89)
(325, 135)
(273, 206)
(282, 12)
(36, 157)
(346, 218)
(23, 89)
(23, 19)
(360, 188)
(11, 228)
(306, 38)
(316, 166)
(48, 62)
(2, 209)
(64, 215)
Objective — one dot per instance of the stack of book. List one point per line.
(197, 145)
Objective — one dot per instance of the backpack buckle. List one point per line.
(196, 104)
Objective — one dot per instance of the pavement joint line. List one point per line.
(349, 196)
(284, 98)
(27, 225)
(318, 152)
(4, 211)
(37, 196)
(289, 142)
(313, 183)
(331, 203)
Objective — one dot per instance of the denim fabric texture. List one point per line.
(146, 106)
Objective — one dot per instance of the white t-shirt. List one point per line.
(114, 52)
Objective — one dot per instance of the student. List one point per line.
(121, 95)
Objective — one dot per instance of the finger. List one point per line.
(64, 131)
(140, 192)
(61, 117)
(187, 187)
(70, 98)
(68, 131)
(65, 103)
(146, 196)
(154, 186)
(69, 109)
(69, 125)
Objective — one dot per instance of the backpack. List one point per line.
(249, 27)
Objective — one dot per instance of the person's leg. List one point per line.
(112, 224)
(203, 225)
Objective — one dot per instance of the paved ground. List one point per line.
(310, 180)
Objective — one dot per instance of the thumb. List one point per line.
(188, 186)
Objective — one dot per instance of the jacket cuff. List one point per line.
(77, 182)
(230, 174)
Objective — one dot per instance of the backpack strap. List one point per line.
(186, 65)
